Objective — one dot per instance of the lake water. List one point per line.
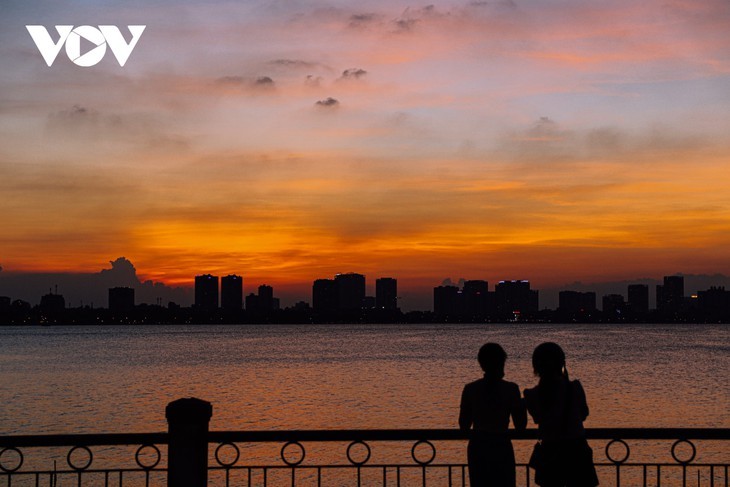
(119, 379)
(109, 379)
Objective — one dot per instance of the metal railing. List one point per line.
(190, 455)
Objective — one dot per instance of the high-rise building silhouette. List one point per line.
(324, 296)
(614, 306)
(714, 303)
(670, 295)
(515, 299)
(206, 292)
(262, 303)
(576, 302)
(121, 299)
(386, 293)
(350, 291)
(638, 302)
(266, 297)
(475, 299)
(447, 301)
(232, 292)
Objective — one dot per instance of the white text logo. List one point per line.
(71, 37)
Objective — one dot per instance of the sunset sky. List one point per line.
(554, 140)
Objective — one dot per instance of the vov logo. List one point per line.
(71, 37)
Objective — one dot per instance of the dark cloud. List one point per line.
(497, 5)
(545, 130)
(363, 20)
(75, 117)
(298, 64)
(353, 73)
(449, 282)
(293, 63)
(90, 287)
(264, 81)
(405, 25)
(410, 17)
(233, 80)
(247, 83)
(328, 103)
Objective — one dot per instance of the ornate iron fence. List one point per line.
(190, 455)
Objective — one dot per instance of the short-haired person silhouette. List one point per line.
(486, 405)
(558, 406)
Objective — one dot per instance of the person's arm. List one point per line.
(518, 410)
(532, 406)
(465, 414)
(580, 396)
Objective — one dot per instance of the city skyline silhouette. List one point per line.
(352, 296)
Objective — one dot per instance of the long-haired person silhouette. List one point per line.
(486, 405)
(558, 406)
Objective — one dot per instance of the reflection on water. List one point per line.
(114, 379)
(109, 379)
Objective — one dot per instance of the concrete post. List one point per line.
(187, 462)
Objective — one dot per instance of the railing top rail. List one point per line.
(93, 439)
(351, 435)
(456, 434)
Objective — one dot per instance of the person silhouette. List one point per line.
(486, 405)
(558, 406)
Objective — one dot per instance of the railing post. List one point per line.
(187, 462)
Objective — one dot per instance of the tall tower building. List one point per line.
(447, 301)
(266, 297)
(515, 299)
(206, 292)
(324, 295)
(386, 293)
(638, 298)
(576, 302)
(476, 294)
(232, 292)
(350, 291)
(670, 296)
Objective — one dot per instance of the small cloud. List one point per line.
(405, 25)
(313, 81)
(328, 102)
(353, 73)
(363, 20)
(77, 113)
(264, 81)
(231, 80)
(544, 130)
(449, 282)
(293, 63)
(77, 119)
(411, 17)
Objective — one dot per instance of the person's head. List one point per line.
(548, 359)
(492, 358)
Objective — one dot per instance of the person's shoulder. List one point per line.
(511, 386)
(472, 385)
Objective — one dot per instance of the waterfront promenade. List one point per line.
(189, 455)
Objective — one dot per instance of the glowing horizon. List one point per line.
(556, 141)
